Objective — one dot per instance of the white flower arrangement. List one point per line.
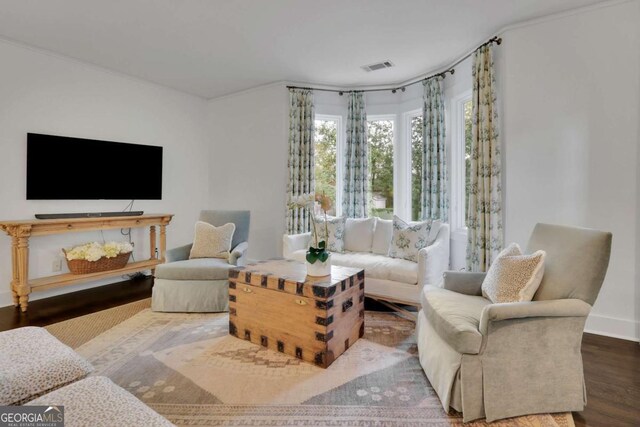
(94, 251)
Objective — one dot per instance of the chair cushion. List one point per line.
(456, 317)
(97, 401)
(375, 266)
(195, 269)
(33, 362)
(358, 234)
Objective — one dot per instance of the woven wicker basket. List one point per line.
(81, 266)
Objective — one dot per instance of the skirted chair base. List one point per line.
(502, 360)
(200, 285)
(190, 296)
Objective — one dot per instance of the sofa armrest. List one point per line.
(463, 282)
(237, 254)
(180, 253)
(433, 261)
(530, 309)
(294, 242)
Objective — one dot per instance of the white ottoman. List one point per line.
(98, 402)
(34, 362)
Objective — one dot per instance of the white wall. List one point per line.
(44, 93)
(248, 166)
(570, 92)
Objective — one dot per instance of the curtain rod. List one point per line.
(451, 70)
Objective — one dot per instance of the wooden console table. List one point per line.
(21, 231)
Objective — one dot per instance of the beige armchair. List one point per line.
(505, 360)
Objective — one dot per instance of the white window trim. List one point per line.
(340, 136)
(458, 208)
(397, 189)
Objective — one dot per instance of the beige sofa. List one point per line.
(387, 279)
(510, 359)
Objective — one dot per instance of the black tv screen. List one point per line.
(64, 168)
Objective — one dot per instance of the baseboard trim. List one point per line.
(613, 327)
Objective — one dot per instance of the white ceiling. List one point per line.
(215, 47)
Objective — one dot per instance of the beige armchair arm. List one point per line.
(180, 253)
(519, 310)
(463, 282)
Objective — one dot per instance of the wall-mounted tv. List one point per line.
(64, 168)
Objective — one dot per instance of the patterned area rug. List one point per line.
(187, 367)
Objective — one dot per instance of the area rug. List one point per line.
(77, 331)
(187, 368)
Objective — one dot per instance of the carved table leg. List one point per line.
(14, 269)
(152, 245)
(23, 271)
(163, 242)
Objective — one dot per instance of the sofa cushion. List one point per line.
(383, 231)
(33, 362)
(195, 269)
(375, 266)
(97, 401)
(456, 317)
(358, 234)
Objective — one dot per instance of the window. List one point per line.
(380, 136)
(461, 107)
(326, 146)
(416, 131)
(467, 106)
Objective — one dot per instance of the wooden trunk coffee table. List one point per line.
(316, 319)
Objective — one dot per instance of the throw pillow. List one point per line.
(514, 277)
(408, 239)
(211, 241)
(358, 234)
(382, 234)
(335, 227)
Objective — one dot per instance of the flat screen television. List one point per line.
(64, 168)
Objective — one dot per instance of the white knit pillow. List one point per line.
(514, 277)
(212, 242)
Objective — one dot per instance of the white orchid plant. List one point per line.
(94, 251)
(307, 201)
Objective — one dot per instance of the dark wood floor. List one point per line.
(612, 366)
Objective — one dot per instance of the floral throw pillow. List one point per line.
(335, 227)
(408, 239)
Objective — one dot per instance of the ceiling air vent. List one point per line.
(377, 66)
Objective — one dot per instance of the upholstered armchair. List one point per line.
(510, 359)
(201, 285)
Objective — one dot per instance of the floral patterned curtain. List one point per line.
(301, 157)
(485, 234)
(434, 197)
(355, 198)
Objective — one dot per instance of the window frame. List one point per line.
(457, 176)
(340, 136)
